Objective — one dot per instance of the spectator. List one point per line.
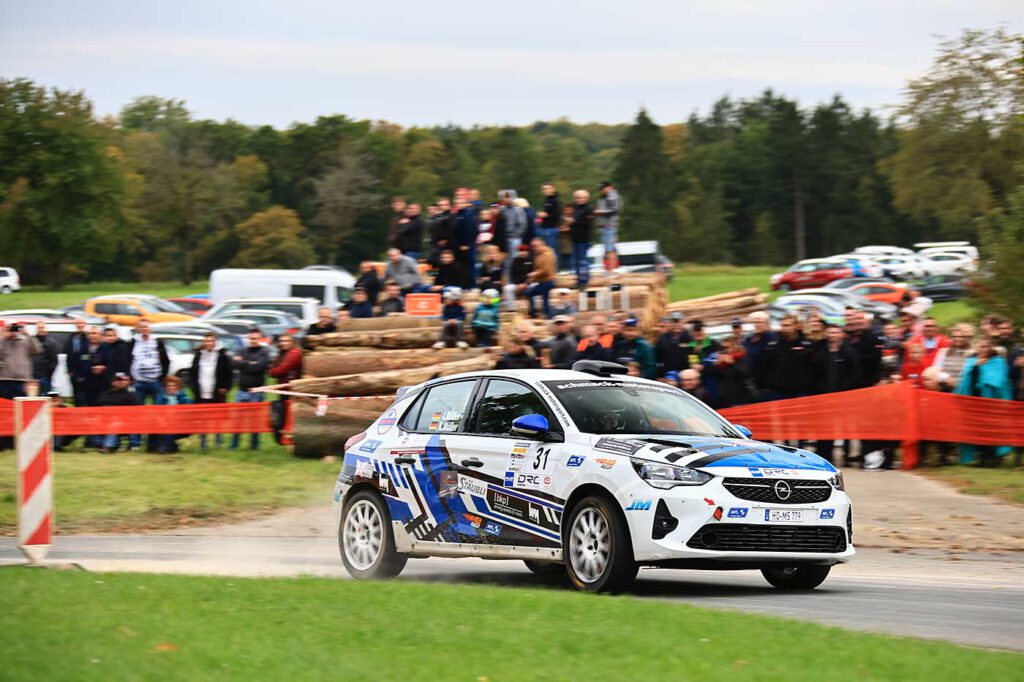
(835, 367)
(442, 231)
(522, 265)
(580, 225)
(252, 363)
(689, 381)
(563, 305)
(466, 233)
(1001, 334)
(755, 344)
(324, 325)
(634, 348)
(550, 216)
(700, 346)
(211, 376)
(78, 358)
(932, 342)
(117, 395)
(787, 362)
(542, 278)
(453, 316)
(868, 346)
(17, 350)
(171, 395)
(531, 219)
(369, 280)
(94, 381)
(673, 347)
(516, 221)
(449, 273)
(892, 350)
(410, 232)
(403, 270)
(565, 238)
(561, 346)
(359, 307)
(287, 367)
(1016, 361)
(609, 206)
(115, 356)
(486, 317)
(524, 333)
(590, 346)
(492, 268)
(985, 375)
(43, 364)
(518, 355)
(149, 363)
(670, 378)
(393, 302)
(951, 361)
(725, 375)
(397, 216)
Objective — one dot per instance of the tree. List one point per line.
(1001, 282)
(963, 131)
(343, 193)
(60, 183)
(703, 234)
(645, 178)
(274, 238)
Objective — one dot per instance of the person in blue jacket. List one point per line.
(467, 229)
(172, 395)
(985, 375)
(486, 317)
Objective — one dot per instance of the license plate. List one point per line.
(783, 516)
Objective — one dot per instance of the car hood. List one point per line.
(713, 454)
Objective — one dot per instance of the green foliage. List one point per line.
(343, 193)
(645, 178)
(1001, 282)
(274, 238)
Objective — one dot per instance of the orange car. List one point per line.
(129, 309)
(880, 291)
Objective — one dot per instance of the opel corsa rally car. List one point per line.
(589, 472)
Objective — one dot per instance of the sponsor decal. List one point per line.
(547, 481)
(778, 472)
(534, 514)
(364, 470)
(449, 484)
(504, 504)
(510, 479)
(575, 460)
(605, 463)
(492, 528)
(619, 446)
(435, 421)
(472, 486)
(527, 481)
(755, 472)
(639, 505)
(387, 421)
(738, 513)
(474, 520)
(520, 448)
(408, 452)
(370, 446)
(337, 496)
(384, 484)
(828, 513)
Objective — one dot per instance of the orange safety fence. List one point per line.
(145, 419)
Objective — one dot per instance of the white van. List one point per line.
(9, 280)
(929, 249)
(330, 287)
(884, 250)
(641, 256)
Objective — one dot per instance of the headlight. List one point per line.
(837, 481)
(668, 476)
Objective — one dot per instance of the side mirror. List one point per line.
(533, 426)
(747, 433)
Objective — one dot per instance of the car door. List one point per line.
(506, 479)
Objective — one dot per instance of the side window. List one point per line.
(442, 409)
(342, 294)
(308, 291)
(504, 401)
(126, 309)
(106, 309)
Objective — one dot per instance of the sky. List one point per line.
(466, 63)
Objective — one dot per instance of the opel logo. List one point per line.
(782, 490)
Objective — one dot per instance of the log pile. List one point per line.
(721, 308)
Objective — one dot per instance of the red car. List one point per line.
(197, 306)
(810, 274)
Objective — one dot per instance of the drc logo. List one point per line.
(828, 513)
(639, 505)
(575, 461)
(510, 479)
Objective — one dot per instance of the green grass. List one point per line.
(1005, 483)
(128, 492)
(43, 297)
(73, 625)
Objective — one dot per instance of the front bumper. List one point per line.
(744, 531)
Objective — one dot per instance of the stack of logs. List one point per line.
(366, 362)
(721, 308)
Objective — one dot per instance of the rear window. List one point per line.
(441, 410)
(316, 291)
(106, 309)
(293, 308)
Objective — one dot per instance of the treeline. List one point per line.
(156, 194)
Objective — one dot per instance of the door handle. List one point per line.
(405, 460)
(472, 462)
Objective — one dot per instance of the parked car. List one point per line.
(180, 350)
(905, 267)
(331, 288)
(42, 313)
(192, 305)
(639, 256)
(272, 323)
(847, 299)
(943, 287)
(9, 280)
(129, 309)
(854, 281)
(305, 309)
(883, 292)
(963, 248)
(831, 310)
(811, 273)
(231, 339)
(949, 263)
(884, 250)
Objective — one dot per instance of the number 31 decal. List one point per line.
(542, 454)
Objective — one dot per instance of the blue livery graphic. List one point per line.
(492, 528)
(828, 513)
(738, 513)
(510, 479)
(370, 446)
(575, 461)
(639, 505)
(755, 472)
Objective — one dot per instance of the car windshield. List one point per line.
(604, 406)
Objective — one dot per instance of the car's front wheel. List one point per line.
(598, 551)
(366, 540)
(805, 577)
(544, 567)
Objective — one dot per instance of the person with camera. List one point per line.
(17, 350)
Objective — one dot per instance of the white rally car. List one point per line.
(588, 471)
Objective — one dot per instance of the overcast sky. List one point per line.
(416, 62)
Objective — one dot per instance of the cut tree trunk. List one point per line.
(419, 337)
(332, 363)
(389, 381)
(363, 324)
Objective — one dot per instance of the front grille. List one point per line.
(742, 537)
(765, 490)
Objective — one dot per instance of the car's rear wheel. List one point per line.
(805, 577)
(5, 289)
(598, 551)
(784, 288)
(366, 540)
(545, 567)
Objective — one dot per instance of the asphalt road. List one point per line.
(976, 600)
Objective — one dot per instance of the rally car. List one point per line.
(589, 472)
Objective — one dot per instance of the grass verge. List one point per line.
(162, 627)
(38, 296)
(1004, 483)
(131, 492)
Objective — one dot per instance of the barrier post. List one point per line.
(33, 434)
(912, 433)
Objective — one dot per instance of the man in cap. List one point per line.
(632, 347)
(561, 345)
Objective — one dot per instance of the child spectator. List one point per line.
(171, 395)
(453, 316)
(486, 317)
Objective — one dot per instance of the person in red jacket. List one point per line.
(933, 343)
(287, 367)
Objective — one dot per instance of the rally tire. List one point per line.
(598, 550)
(5, 289)
(544, 567)
(805, 577)
(366, 540)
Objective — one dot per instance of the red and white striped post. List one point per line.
(33, 433)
